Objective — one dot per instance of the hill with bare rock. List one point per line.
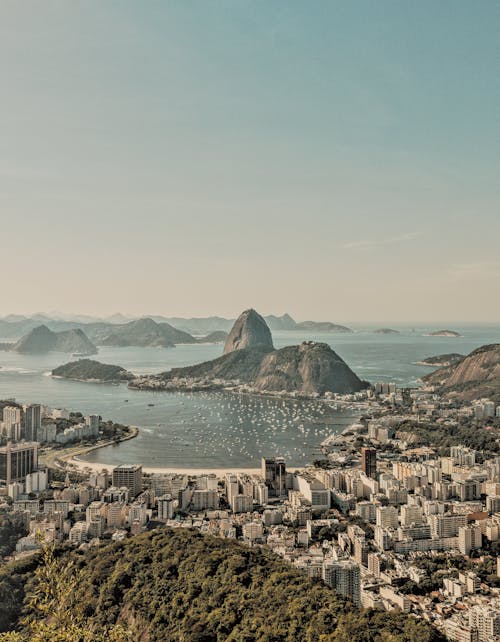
(250, 360)
(41, 340)
(146, 333)
(477, 375)
(309, 368)
(249, 331)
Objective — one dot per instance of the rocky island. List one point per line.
(444, 333)
(41, 340)
(386, 331)
(322, 326)
(92, 372)
(250, 362)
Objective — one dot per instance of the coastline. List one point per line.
(78, 464)
(71, 461)
(51, 457)
(74, 462)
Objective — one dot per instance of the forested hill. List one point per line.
(180, 585)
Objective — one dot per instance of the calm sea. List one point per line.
(220, 430)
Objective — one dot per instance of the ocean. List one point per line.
(219, 430)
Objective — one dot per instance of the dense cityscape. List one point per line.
(386, 517)
(250, 324)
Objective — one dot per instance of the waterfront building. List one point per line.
(92, 421)
(17, 460)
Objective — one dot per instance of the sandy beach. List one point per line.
(74, 462)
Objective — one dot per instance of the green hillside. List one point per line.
(180, 585)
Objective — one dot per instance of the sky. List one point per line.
(335, 160)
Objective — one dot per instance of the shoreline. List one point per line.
(79, 464)
(67, 454)
(165, 470)
(70, 458)
(71, 462)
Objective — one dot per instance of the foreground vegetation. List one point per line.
(185, 586)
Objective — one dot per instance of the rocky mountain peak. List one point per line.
(249, 331)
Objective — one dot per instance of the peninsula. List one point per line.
(250, 362)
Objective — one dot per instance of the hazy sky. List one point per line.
(336, 160)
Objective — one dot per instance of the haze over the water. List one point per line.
(198, 158)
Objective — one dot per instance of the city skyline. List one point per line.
(195, 160)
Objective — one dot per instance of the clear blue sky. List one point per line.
(337, 160)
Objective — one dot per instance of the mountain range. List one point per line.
(15, 326)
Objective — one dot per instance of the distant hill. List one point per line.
(249, 358)
(475, 376)
(386, 331)
(89, 370)
(218, 336)
(145, 333)
(41, 340)
(322, 326)
(179, 585)
(284, 322)
(15, 326)
(444, 333)
(275, 323)
(198, 326)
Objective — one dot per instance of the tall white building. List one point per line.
(92, 422)
(165, 507)
(486, 621)
(11, 426)
(469, 538)
(387, 516)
